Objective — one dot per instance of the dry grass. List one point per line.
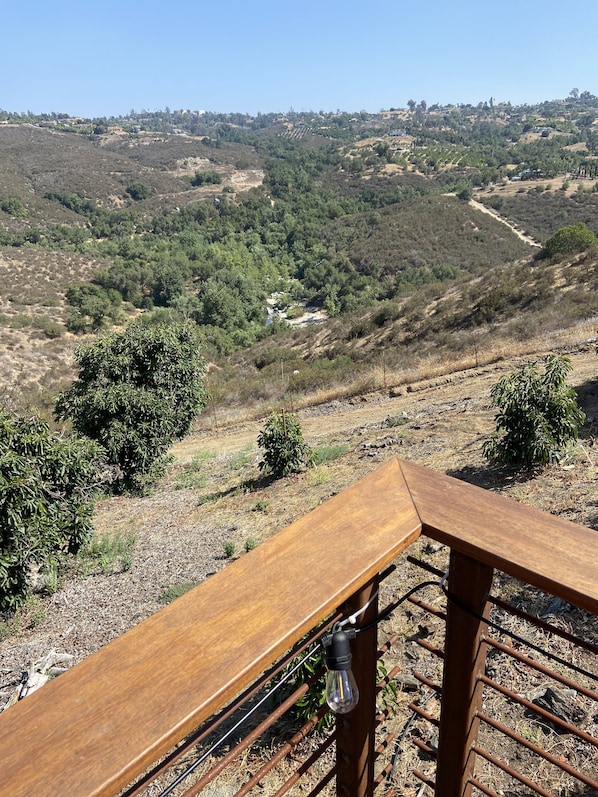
(35, 348)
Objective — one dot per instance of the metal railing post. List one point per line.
(465, 655)
(355, 731)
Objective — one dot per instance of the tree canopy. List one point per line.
(136, 393)
(47, 485)
(570, 240)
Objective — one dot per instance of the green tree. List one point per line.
(206, 178)
(47, 486)
(91, 306)
(137, 392)
(14, 206)
(284, 448)
(570, 240)
(139, 191)
(537, 415)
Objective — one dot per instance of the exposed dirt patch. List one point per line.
(521, 235)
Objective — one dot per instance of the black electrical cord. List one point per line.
(456, 602)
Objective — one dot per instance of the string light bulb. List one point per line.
(342, 694)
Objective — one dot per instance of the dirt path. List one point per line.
(342, 417)
(490, 212)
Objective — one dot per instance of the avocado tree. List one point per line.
(137, 392)
(47, 487)
(284, 448)
(537, 415)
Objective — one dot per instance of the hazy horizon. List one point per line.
(96, 61)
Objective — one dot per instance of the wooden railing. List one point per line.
(98, 727)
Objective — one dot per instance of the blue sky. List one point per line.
(105, 58)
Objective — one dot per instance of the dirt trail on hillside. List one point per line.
(490, 212)
(344, 416)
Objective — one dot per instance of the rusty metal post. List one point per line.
(355, 731)
(465, 654)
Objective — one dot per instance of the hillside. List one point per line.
(375, 274)
(214, 495)
(366, 218)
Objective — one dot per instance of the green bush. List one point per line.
(13, 206)
(19, 321)
(137, 392)
(91, 306)
(229, 548)
(51, 329)
(388, 311)
(284, 448)
(326, 453)
(174, 591)
(570, 240)
(113, 552)
(139, 191)
(47, 486)
(206, 178)
(538, 415)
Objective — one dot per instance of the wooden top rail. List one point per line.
(555, 555)
(97, 727)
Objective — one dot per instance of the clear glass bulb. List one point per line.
(342, 694)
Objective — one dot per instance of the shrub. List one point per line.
(229, 548)
(174, 591)
(388, 311)
(14, 206)
(91, 306)
(361, 329)
(113, 552)
(328, 453)
(206, 178)
(284, 448)
(570, 240)
(47, 485)
(538, 415)
(137, 392)
(396, 420)
(139, 191)
(51, 329)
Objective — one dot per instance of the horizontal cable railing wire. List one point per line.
(532, 671)
(536, 665)
(238, 714)
(242, 707)
(558, 762)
